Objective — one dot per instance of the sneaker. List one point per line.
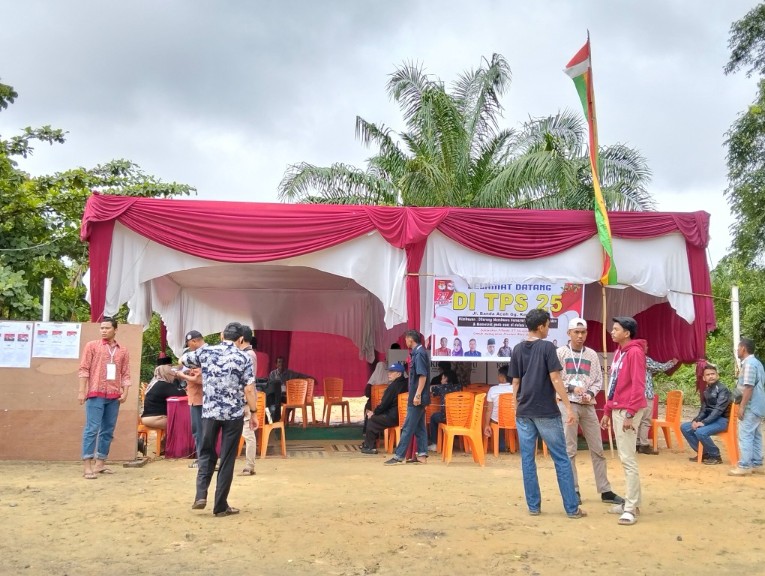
(738, 471)
(611, 498)
(534, 512)
(393, 461)
(365, 450)
(712, 460)
(432, 448)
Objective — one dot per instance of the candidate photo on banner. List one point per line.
(482, 323)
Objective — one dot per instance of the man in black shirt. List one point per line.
(535, 370)
(385, 414)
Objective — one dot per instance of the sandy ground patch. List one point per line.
(330, 510)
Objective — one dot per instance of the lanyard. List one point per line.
(578, 361)
(112, 352)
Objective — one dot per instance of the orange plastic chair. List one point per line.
(143, 429)
(477, 388)
(375, 397)
(472, 433)
(309, 402)
(264, 429)
(459, 407)
(297, 390)
(392, 435)
(671, 420)
(376, 394)
(729, 437)
(333, 396)
(505, 422)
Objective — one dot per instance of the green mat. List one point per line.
(352, 432)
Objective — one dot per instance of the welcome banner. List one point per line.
(485, 322)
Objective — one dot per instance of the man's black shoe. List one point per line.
(365, 450)
(711, 461)
(611, 498)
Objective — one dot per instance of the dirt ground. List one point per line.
(328, 509)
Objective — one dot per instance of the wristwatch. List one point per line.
(629, 414)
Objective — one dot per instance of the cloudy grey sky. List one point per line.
(223, 95)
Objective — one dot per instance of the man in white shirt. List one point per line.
(491, 414)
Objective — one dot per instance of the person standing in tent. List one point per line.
(419, 397)
(535, 370)
(228, 384)
(104, 383)
(250, 440)
(193, 378)
(652, 367)
(625, 404)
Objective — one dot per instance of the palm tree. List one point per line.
(454, 153)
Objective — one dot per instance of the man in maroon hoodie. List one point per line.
(625, 405)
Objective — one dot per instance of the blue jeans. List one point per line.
(100, 419)
(703, 435)
(750, 441)
(551, 431)
(196, 428)
(414, 425)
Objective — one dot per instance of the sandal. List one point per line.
(103, 471)
(90, 475)
(578, 514)
(627, 519)
(247, 472)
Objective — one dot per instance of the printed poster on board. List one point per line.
(483, 323)
(15, 344)
(57, 340)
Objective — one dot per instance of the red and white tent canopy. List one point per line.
(364, 272)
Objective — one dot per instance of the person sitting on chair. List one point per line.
(491, 414)
(448, 385)
(711, 419)
(162, 387)
(385, 414)
(276, 393)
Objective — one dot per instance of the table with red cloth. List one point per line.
(179, 442)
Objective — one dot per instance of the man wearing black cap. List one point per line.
(229, 385)
(193, 378)
(385, 414)
(625, 404)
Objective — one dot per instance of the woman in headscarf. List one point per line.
(457, 349)
(161, 388)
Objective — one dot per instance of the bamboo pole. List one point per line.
(605, 363)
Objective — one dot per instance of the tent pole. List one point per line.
(736, 318)
(605, 363)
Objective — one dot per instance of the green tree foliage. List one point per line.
(40, 222)
(454, 153)
(746, 139)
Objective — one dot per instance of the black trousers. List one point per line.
(230, 431)
(375, 426)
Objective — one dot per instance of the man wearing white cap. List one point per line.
(583, 379)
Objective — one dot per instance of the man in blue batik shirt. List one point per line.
(228, 383)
